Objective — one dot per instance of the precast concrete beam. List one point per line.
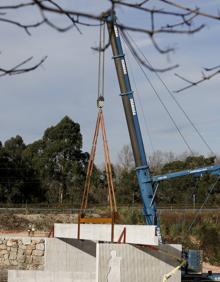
(135, 234)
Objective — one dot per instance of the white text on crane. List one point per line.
(133, 107)
(124, 66)
(116, 30)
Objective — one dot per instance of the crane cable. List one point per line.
(100, 126)
(156, 93)
(210, 190)
(174, 98)
(101, 66)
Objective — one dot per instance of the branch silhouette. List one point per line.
(20, 68)
(164, 17)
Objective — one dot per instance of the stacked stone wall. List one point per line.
(22, 253)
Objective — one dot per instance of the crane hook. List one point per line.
(100, 102)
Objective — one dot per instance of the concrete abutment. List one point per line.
(71, 260)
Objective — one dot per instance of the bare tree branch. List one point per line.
(66, 14)
(211, 69)
(184, 21)
(175, 18)
(20, 68)
(102, 16)
(150, 10)
(195, 83)
(195, 11)
(26, 27)
(18, 6)
(139, 59)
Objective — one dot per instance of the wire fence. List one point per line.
(60, 210)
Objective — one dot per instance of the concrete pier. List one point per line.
(72, 260)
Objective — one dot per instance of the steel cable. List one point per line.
(174, 98)
(157, 94)
(205, 201)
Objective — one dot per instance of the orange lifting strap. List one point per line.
(108, 169)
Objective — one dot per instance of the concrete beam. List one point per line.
(135, 234)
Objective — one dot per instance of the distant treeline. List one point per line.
(52, 170)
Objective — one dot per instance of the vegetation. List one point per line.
(176, 226)
(179, 192)
(203, 234)
(52, 171)
(194, 231)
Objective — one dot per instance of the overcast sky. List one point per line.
(67, 85)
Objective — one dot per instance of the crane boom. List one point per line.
(212, 169)
(145, 180)
(148, 184)
(142, 167)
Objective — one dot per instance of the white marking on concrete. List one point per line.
(114, 270)
(139, 264)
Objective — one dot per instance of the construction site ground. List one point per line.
(18, 224)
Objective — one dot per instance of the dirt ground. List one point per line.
(42, 222)
(208, 267)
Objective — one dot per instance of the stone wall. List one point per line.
(22, 253)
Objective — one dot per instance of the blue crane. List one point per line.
(147, 183)
(200, 171)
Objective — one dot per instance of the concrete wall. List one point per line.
(66, 260)
(71, 260)
(135, 234)
(70, 255)
(127, 263)
(49, 276)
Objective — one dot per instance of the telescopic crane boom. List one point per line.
(146, 182)
(142, 167)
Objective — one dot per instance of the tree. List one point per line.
(60, 161)
(19, 182)
(15, 146)
(158, 159)
(126, 159)
(180, 190)
(127, 191)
